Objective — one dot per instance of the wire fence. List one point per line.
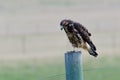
(62, 75)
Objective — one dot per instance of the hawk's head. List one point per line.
(65, 23)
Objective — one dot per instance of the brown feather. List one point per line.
(79, 36)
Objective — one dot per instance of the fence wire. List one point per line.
(53, 76)
(62, 75)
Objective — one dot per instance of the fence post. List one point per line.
(73, 63)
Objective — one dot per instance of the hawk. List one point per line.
(78, 36)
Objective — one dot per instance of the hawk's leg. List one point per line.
(75, 49)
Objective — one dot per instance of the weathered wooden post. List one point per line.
(73, 63)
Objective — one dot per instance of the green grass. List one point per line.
(94, 69)
(106, 68)
(32, 70)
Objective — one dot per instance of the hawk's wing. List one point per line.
(84, 34)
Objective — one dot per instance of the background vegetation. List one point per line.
(32, 46)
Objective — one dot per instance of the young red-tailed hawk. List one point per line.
(78, 36)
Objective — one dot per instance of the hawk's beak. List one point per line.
(61, 27)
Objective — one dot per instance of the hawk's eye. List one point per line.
(66, 23)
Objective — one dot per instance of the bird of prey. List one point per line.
(78, 36)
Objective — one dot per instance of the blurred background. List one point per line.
(32, 46)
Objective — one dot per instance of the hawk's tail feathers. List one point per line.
(92, 46)
(93, 52)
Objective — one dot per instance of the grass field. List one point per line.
(52, 69)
